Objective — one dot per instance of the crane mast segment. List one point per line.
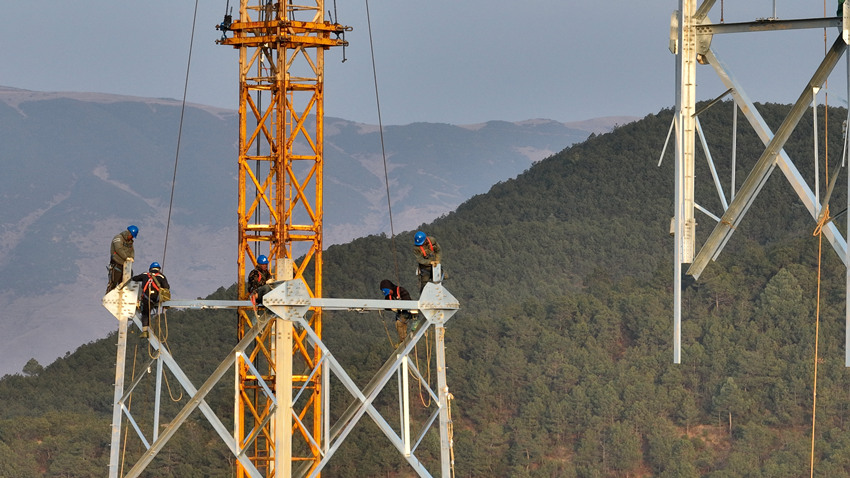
(280, 167)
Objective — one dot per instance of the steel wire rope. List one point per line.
(176, 161)
(179, 133)
(383, 148)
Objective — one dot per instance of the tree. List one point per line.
(32, 368)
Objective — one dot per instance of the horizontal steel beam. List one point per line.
(768, 25)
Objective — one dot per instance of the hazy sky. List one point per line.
(452, 61)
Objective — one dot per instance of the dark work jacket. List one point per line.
(152, 282)
(257, 278)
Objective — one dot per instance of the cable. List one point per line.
(179, 133)
(383, 149)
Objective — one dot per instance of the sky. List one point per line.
(445, 61)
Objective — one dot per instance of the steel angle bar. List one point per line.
(134, 384)
(425, 427)
(206, 304)
(667, 141)
(711, 167)
(135, 425)
(351, 417)
(197, 401)
(117, 401)
(421, 379)
(309, 378)
(259, 376)
(767, 25)
(770, 158)
(706, 212)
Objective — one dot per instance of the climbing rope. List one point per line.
(383, 149)
(819, 233)
(823, 220)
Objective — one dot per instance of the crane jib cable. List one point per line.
(179, 133)
(383, 149)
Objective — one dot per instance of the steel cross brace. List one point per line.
(196, 400)
(291, 301)
(772, 155)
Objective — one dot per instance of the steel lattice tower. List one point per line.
(281, 81)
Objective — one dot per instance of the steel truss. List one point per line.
(691, 35)
(288, 304)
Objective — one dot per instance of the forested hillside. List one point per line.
(560, 360)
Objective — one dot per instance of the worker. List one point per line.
(258, 280)
(402, 316)
(120, 251)
(155, 289)
(428, 255)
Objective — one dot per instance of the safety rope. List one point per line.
(179, 133)
(451, 431)
(428, 366)
(161, 333)
(824, 219)
(383, 149)
(819, 233)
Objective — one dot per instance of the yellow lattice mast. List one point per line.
(281, 79)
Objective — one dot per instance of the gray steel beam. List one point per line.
(196, 400)
(768, 26)
(759, 125)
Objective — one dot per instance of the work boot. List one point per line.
(144, 332)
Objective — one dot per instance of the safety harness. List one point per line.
(152, 282)
(422, 248)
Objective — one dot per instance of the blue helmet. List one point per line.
(154, 267)
(419, 238)
(261, 259)
(134, 231)
(386, 292)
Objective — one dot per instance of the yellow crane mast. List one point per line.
(281, 108)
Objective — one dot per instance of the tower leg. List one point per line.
(120, 364)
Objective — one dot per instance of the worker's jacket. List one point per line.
(257, 278)
(121, 248)
(427, 252)
(152, 283)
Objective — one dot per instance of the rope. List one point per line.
(383, 149)
(428, 364)
(824, 219)
(179, 134)
(818, 232)
(451, 430)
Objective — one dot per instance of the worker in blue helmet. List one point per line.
(428, 255)
(155, 290)
(402, 316)
(258, 280)
(120, 251)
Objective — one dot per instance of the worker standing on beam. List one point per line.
(120, 251)
(428, 256)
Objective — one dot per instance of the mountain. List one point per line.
(560, 358)
(79, 167)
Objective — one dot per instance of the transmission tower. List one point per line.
(691, 34)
